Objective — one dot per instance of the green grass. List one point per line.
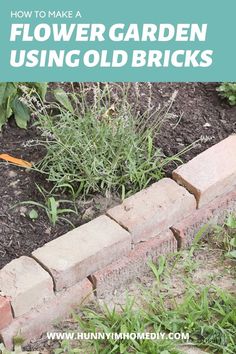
(206, 313)
(224, 237)
(101, 147)
(126, 321)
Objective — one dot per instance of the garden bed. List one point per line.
(197, 112)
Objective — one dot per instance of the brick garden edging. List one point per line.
(110, 250)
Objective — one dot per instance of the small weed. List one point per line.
(189, 263)
(158, 269)
(33, 214)
(224, 237)
(51, 206)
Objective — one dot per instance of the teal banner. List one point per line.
(123, 40)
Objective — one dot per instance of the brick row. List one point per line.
(153, 210)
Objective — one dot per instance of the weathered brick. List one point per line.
(42, 318)
(84, 250)
(121, 272)
(210, 174)
(211, 214)
(5, 312)
(26, 284)
(153, 210)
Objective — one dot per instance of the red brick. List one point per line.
(5, 312)
(84, 250)
(153, 210)
(211, 214)
(26, 283)
(210, 174)
(121, 272)
(40, 320)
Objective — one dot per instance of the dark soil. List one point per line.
(202, 114)
(197, 112)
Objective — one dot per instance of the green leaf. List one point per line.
(123, 348)
(10, 92)
(8, 110)
(58, 351)
(41, 88)
(62, 97)
(21, 113)
(3, 87)
(3, 117)
(228, 90)
(7, 93)
(233, 242)
(231, 221)
(203, 230)
(123, 328)
(123, 193)
(159, 268)
(53, 210)
(33, 214)
(231, 254)
(150, 146)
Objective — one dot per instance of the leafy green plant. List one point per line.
(231, 239)
(228, 90)
(33, 214)
(15, 99)
(189, 264)
(52, 207)
(224, 237)
(101, 147)
(63, 99)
